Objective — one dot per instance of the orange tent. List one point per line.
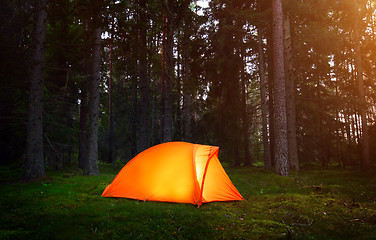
(174, 172)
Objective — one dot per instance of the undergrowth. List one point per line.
(314, 204)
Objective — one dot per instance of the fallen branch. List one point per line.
(313, 186)
(356, 219)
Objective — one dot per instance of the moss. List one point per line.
(275, 207)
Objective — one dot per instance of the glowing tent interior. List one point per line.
(174, 172)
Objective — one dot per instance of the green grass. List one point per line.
(67, 205)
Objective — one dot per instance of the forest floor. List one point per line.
(312, 204)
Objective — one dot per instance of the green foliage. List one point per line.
(316, 204)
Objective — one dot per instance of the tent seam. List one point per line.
(196, 184)
(210, 156)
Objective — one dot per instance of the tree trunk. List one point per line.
(349, 136)
(144, 80)
(156, 116)
(163, 73)
(167, 131)
(34, 162)
(111, 152)
(281, 149)
(187, 98)
(178, 96)
(358, 124)
(290, 101)
(245, 130)
(82, 145)
(187, 101)
(319, 124)
(133, 117)
(338, 122)
(364, 142)
(92, 147)
(82, 154)
(264, 105)
(271, 106)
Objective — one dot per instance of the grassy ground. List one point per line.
(315, 204)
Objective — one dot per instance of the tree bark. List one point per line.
(270, 89)
(364, 141)
(245, 130)
(92, 147)
(111, 152)
(82, 153)
(290, 101)
(187, 98)
(82, 144)
(163, 72)
(264, 105)
(144, 80)
(34, 162)
(133, 117)
(167, 118)
(338, 122)
(281, 147)
(349, 135)
(178, 96)
(156, 116)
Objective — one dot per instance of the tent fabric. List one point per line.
(174, 172)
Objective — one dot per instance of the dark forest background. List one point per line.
(141, 72)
